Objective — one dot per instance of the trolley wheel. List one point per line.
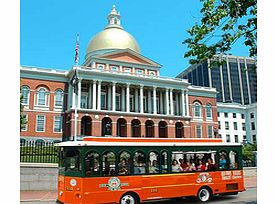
(204, 194)
(129, 198)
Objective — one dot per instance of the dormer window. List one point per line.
(100, 67)
(139, 71)
(152, 73)
(114, 68)
(127, 70)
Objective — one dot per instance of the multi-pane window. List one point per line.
(42, 97)
(197, 110)
(252, 115)
(57, 123)
(113, 68)
(198, 131)
(242, 116)
(25, 126)
(226, 115)
(226, 125)
(117, 101)
(25, 92)
(253, 126)
(210, 131)
(218, 114)
(228, 139)
(234, 115)
(59, 98)
(236, 138)
(209, 111)
(103, 100)
(235, 126)
(40, 125)
(254, 138)
(219, 125)
(84, 101)
(243, 126)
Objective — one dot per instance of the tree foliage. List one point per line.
(247, 151)
(223, 22)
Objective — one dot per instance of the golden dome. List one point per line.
(113, 36)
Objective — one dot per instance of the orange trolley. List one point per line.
(133, 170)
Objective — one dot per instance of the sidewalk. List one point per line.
(30, 196)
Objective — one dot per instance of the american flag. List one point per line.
(77, 51)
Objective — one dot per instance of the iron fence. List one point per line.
(38, 152)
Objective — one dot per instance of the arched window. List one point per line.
(197, 110)
(42, 96)
(86, 126)
(108, 167)
(92, 163)
(163, 132)
(149, 128)
(59, 98)
(139, 163)
(106, 126)
(209, 111)
(136, 131)
(233, 157)
(153, 163)
(124, 163)
(72, 161)
(121, 127)
(179, 130)
(25, 92)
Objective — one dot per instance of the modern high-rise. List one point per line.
(235, 78)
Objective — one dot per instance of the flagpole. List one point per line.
(76, 104)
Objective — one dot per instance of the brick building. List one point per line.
(120, 93)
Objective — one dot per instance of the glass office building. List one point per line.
(235, 78)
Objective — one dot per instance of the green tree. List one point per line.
(223, 22)
(247, 151)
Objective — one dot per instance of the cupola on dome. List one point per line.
(112, 37)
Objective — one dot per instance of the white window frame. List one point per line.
(28, 95)
(225, 124)
(211, 112)
(46, 98)
(139, 71)
(100, 67)
(61, 121)
(208, 129)
(44, 122)
(194, 110)
(196, 127)
(55, 98)
(25, 127)
(127, 70)
(117, 99)
(84, 95)
(229, 138)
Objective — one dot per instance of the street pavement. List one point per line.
(247, 197)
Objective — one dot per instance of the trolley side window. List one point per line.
(92, 164)
(72, 160)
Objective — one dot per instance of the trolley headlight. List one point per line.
(61, 193)
(73, 182)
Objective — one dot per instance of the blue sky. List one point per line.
(48, 30)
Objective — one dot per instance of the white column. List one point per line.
(141, 98)
(94, 96)
(149, 101)
(166, 102)
(161, 103)
(154, 100)
(171, 102)
(128, 98)
(114, 97)
(183, 103)
(123, 99)
(99, 96)
(89, 95)
(109, 97)
(187, 103)
(136, 101)
(79, 93)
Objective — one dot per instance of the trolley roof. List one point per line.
(120, 141)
